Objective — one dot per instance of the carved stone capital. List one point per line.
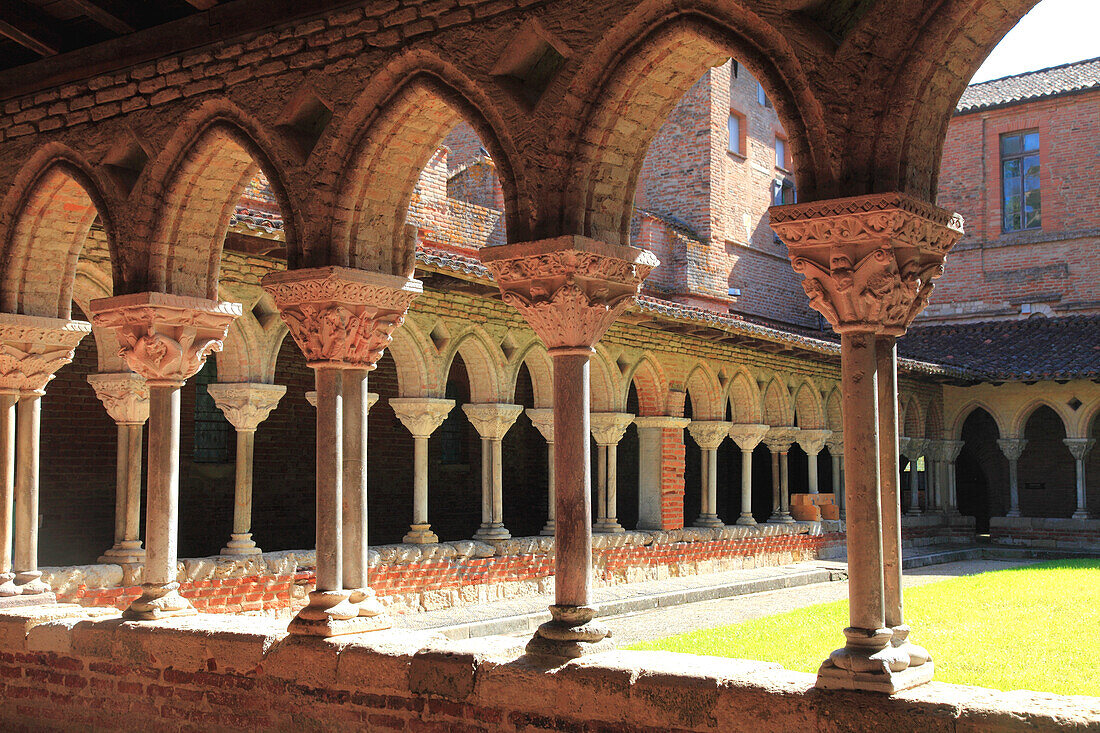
(748, 435)
(952, 449)
(608, 428)
(662, 422)
(709, 434)
(780, 439)
(1013, 448)
(125, 395)
(571, 288)
(905, 445)
(492, 420)
(33, 348)
(835, 443)
(165, 338)
(543, 419)
(812, 441)
(246, 405)
(341, 317)
(868, 261)
(1079, 447)
(934, 449)
(917, 448)
(421, 415)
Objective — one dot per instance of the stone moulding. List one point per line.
(570, 289)
(165, 338)
(33, 348)
(341, 317)
(868, 261)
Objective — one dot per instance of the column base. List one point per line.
(40, 599)
(746, 520)
(420, 534)
(1080, 514)
(918, 655)
(571, 634)
(30, 583)
(159, 601)
(781, 518)
(241, 544)
(123, 553)
(369, 607)
(8, 588)
(830, 677)
(710, 521)
(1013, 513)
(913, 513)
(549, 529)
(331, 613)
(608, 526)
(494, 531)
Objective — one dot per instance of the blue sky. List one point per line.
(1054, 32)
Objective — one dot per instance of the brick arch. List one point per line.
(537, 360)
(191, 191)
(745, 400)
(707, 400)
(394, 128)
(974, 406)
(481, 366)
(834, 412)
(603, 389)
(50, 207)
(1024, 413)
(637, 74)
(933, 421)
(649, 380)
(418, 374)
(777, 404)
(912, 425)
(250, 351)
(807, 407)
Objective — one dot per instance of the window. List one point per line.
(783, 192)
(734, 68)
(212, 430)
(781, 153)
(761, 97)
(736, 128)
(1020, 181)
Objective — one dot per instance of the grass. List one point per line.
(1032, 627)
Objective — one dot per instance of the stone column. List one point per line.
(570, 290)
(1079, 448)
(608, 428)
(245, 406)
(126, 397)
(32, 349)
(939, 471)
(543, 420)
(916, 449)
(1013, 448)
(905, 446)
(492, 421)
(166, 339)
(747, 438)
(779, 440)
(812, 441)
(709, 434)
(836, 453)
(422, 416)
(868, 262)
(342, 319)
(952, 448)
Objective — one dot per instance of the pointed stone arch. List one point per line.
(649, 380)
(834, 412)
(541, 369)
(483, 369)
(745, 400)
(912, 423)
(420, 371)
(778, 411)
(707, 400)
(933, 421)
(604, 385)
(807, 407)
(972, 406)
(1025, 411)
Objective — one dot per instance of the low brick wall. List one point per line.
(1073, 535)
(930, 530)
(63, 668)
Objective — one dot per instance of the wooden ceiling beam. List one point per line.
(202, 4)
(27, 26)
(103, 16)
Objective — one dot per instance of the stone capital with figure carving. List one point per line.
(570, 289)
(780, 439)
(125, 395)
(421, 415)
(33, 348)
(868, 261)
(165, 338)
(608, 428)
(709, 434)
(812, 441)
(341, 317)
(246, 405)
(492, 420)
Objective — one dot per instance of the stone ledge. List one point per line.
(293, 683)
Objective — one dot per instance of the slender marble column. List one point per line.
(1013, 448)
(747, 437)
(126, 398)
(543, 420)
(28, 424)
(245, 405)
(608, 428)
(952, 449)
(905, 448)
(779, 441)
(812, 442)
(709, 434)
(836, 453)
(1079, 448)
(492, 421)
(940, 472)
(8, 401)
(422, 416)
(917, 448)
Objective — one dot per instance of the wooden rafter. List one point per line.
(202, 4)
(103, 16)
(27, 26)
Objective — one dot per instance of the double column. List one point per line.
(245, 406)
(492, 421)
(166, 339)
(868, 262)
(608, 428)
(570, 289)
(34, 349)
(422, 416)
(914, 449)
(779, 441)
(543, 420)
(342, 319)
(126, 397)
(835, 443)
(747, 437)
(1079, 448)
(812, 442)
(709, 435)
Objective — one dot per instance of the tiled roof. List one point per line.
(1074, 77)
(1034, 349)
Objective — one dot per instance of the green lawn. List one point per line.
(1034, 627)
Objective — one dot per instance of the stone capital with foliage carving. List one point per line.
(421, 415)
(165, 338)
(492, 420)
(341, 317)
(748, 435)
(1013, 448)
(125, 395)
(709, 434)
(868, 261)
(543, 420)
(569, 289)
(780, 439)
(33, 348)
(608, 428)
(246, 405)
(835, 443)
(1079, 447)
(812, 441)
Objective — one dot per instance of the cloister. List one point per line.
(122, 170)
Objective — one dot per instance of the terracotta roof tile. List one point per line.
(1075, 77)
